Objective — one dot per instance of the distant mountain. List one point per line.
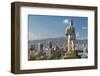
(56, 41)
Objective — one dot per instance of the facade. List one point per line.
(40, 47)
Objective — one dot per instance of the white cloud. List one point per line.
(80, 37)
(39, 36)
(84, 28)
(77, 34)
(31, 36)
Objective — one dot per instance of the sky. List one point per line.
(43, 27)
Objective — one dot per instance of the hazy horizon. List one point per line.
(57, 38)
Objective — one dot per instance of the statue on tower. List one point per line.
(71, 37)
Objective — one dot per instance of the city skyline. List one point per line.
(44, 27)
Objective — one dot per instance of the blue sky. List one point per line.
(43, 27)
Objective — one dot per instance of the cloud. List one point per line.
(77, 34)
(31, 36)
(84, 28)
(66, 21)
(39, 36)
(35, 36)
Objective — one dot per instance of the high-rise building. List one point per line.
(49, 44)
(40, 47)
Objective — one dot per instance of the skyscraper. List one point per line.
(40, 47)
(49, 44)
